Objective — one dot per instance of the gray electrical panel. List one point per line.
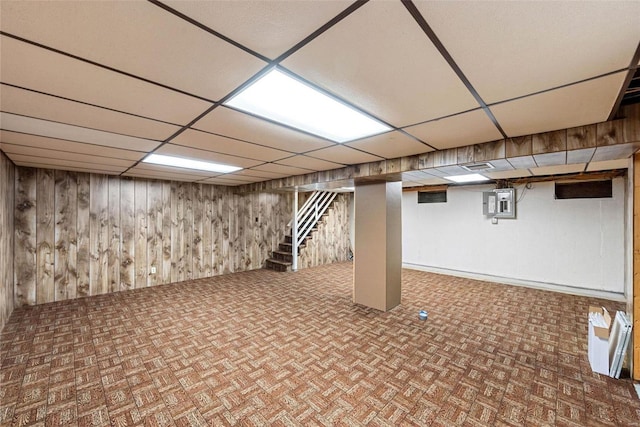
(499, 203)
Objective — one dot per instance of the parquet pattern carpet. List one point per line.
(265, 348)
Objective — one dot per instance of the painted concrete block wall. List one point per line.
(578, 243)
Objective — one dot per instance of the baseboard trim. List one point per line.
(565, 289)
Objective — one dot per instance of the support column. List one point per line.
(378, 245)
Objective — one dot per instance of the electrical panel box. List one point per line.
(499, 203)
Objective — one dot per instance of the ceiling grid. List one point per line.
(117, 81)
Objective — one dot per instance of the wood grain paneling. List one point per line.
(45, 236)
(83, 232)
(7, 211)
(140, 234)
(128, 232)
(66, 206)
(154, 233)
(330, 242)
(101, 233)
(25, 237)
(114, 254)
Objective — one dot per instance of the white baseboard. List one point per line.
(565, 289)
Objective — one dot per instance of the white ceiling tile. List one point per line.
(510, 49)
(551, 159)
(45, 163)
(518, 173)
(43, 153)
(12, 122)
(614, 152)
(583, 155)
(267, 27)
(309, 163)
(345, 155)
(432, 181)
(608, 165)
(137, 37)
(499, 165)
(390, 145)
(66, 77)
(208, 156)
(145, 170)
(150, 168)
(234, 124)
(224, 181)
(286, 170)
(448, 170)
(259, 174)
(379, 59)
(558, 169)
(457, 131)
(571, 106)
(159, 175)
(415, 175)
(240, 178)
(25, 140)
(33, 104)
(220, 144)
(522, 162)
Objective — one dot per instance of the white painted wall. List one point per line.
(578, 243)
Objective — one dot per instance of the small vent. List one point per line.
(475, 167)
(432, 196)
(584, 190)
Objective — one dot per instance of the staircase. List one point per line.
(313, 210)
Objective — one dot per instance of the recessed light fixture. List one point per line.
(181, 162)
(473, 177)
(284, 99)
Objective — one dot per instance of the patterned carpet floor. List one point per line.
(266, 348)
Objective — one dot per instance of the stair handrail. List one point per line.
(309, 202)
(312, 216)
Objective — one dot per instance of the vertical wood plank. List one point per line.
(114, 254)
(175, 226)
(66, 206)
(216, 231)
(198, 230)
(154, 232)
(166, 232)
(207, 234)
(25, 237)
(99, 234)
(180, 234)
(128, 233)
(225, 221)
(83, 265)
(140, 189)
(188, 231)
(45, 236)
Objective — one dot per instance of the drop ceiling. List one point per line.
(97, 86)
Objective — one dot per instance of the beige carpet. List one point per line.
(266, 348)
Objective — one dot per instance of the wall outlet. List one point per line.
(153, 269)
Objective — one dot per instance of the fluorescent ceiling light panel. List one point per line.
(181, 162)
(474, 177)
(283, 99)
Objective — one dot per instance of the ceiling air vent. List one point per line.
(476, 167)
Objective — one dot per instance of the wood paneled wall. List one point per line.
(7, 171)
(330, 243)
(79, 234)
